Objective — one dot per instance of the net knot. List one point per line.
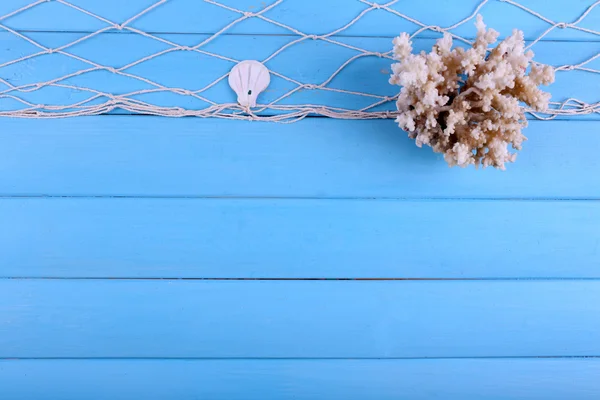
(436, 29)
(119, 27)
(313, 37)
(377, 6)
(568, 67)
(561, 25)
(310, 86)
(249, 14)
(111, 69)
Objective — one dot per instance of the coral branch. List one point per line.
(466, 104)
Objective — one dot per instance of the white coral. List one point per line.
(466, 104)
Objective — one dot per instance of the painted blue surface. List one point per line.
(317, 158)
(469, 379)
(117, 231)
(312, 16)
(298, 319)
(299, 238)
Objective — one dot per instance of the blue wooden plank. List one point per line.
(313, 17)
(195, 238)
(466, 379)
(194, 71)
(148, 156)
(298, 319)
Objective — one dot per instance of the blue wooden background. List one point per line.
(153, 258)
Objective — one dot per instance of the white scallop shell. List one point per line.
(248, 79)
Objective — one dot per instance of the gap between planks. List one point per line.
(495, 279)
(293, 35)
(124, 113)
(301, 358)
(308, 198)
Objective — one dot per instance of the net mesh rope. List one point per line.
(100, 102)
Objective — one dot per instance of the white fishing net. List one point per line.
(54, 92)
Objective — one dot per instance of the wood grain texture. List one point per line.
(298, 319)
(279, 238)
(309, 16)
(465, 379)
(153, 156)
